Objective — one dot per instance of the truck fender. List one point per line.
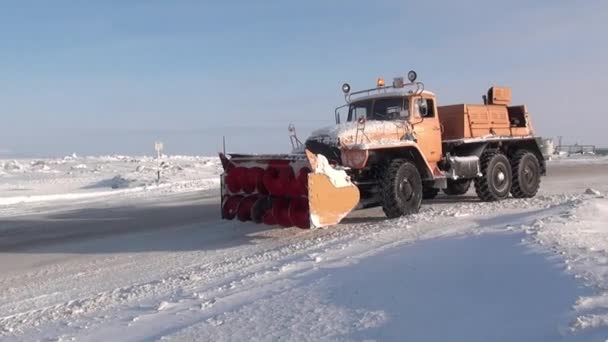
(413, 153)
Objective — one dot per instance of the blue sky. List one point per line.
(97, 77)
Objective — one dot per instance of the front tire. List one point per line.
(495, 182)
(401, 187)
(526, 174)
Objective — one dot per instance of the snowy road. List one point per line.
(164, 266)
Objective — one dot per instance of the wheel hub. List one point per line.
(500, 178)
(528, 175)
(406, 189)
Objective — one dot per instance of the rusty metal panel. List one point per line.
(478, 115)
(453, 121)
(478, 120)
(520, 131)
(499, 116)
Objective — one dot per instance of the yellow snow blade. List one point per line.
(331, 194)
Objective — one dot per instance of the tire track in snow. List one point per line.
(228, 270)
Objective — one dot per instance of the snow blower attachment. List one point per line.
(287, 190)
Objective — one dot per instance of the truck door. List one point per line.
(427, 128)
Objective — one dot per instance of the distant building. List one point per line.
(575, 149)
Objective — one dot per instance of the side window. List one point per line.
(358, 110)
(405, 112)
(426, 108)
(430, 104)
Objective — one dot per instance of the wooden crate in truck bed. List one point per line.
(480, 120)
(470, 121)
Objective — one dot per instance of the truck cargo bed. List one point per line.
(477, 120)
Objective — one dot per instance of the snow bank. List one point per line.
(578, 159)
(11, 166)
(579, 233)
(338, 178)
(593, 192)
(74, 177)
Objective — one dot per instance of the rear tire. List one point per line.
(526, 174)
(457, 187)
(495, 182)
(401, 187)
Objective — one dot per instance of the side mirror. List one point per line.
(423, 108)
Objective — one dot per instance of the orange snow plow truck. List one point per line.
(395, 148)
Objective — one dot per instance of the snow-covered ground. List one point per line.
(74, 178)
(94, 248)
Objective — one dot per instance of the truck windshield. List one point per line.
(388, 108)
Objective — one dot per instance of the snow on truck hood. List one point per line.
(345, 131)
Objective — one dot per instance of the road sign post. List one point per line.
(158, 147)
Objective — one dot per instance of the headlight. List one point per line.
(411, 76)
(346, 88)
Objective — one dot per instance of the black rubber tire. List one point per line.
(429, 193)
(401, 187)
(457, 187)
(496, 180)
(526, 174)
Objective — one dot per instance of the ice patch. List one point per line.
(118, 182)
